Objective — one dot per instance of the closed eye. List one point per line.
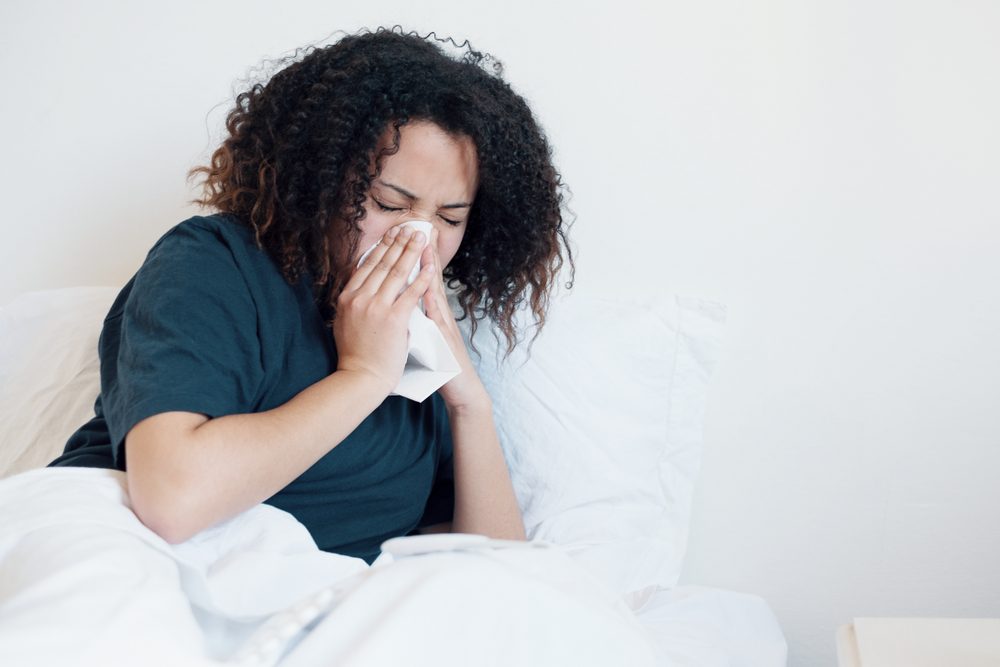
(453, 223)
(384, 207)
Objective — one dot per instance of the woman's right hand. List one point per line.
(370, 328)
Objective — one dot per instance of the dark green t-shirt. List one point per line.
(208, 324)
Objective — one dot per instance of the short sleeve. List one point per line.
(187, 338)
(441, 502)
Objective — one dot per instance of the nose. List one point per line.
(433, 239)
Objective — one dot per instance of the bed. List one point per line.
(601, 429)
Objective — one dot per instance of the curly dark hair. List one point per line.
(295, 167)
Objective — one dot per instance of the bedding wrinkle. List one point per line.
(114, 596)
(121, 595)
(542, 403)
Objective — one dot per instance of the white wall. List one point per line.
(829, 170)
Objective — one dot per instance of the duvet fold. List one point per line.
(84, 582)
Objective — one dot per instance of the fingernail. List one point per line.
(420, 238)
(393, 231)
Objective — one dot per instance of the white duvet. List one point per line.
(84, 582)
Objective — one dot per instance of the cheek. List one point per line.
(448, 245)
(373, 228)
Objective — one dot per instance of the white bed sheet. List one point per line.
(83, 582)
(687, 626)
(700, 626)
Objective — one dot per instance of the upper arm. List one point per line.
(155, 482)
(184, 340)
(157, 432)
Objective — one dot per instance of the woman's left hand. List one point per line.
(465, 389)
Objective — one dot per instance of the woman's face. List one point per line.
(432, 177)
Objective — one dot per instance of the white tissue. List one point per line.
(429, 361)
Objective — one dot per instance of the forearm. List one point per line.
(231, 463)
(485, 503)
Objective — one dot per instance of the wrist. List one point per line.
(368, 383)
(478, 404)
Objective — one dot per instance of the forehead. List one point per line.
(430, 162)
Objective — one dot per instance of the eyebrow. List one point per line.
(410, 195)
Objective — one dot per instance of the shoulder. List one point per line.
(223, 225)
(199, 260)
(205, 233)
(210, 249)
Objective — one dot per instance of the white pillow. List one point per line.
(49, 371)
(601, 428)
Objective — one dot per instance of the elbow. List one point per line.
(171, 531)
(518, 533)
(160, 511)
(163, 492)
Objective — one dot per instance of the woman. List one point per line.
(251, 359)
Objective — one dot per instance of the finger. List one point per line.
(430, 302)
(436, 305)
(430, 253)
(440, 265)
(361, 272)
(409, 297)
(394, 280)
(427, 255)
(377, 275)
(433, 243)
(440, 282)
(438, 310)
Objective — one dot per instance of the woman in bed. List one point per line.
(251, 359)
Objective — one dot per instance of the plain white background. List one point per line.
(829, 170)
